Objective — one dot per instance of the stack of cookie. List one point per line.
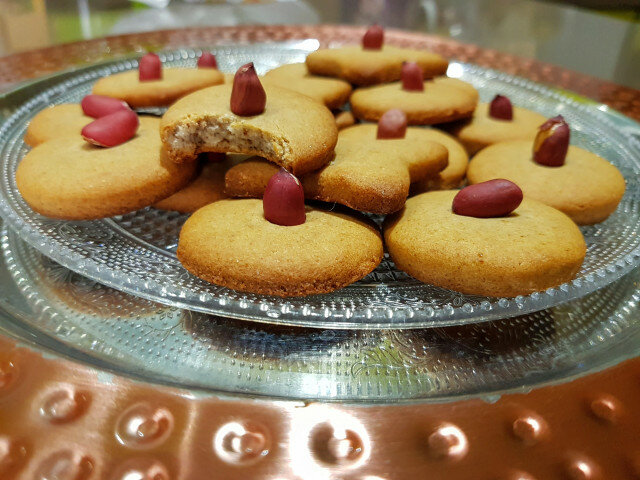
(251, 151)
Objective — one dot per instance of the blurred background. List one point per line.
(597, 37)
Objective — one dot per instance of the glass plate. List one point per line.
(135, 253)
(77, 317)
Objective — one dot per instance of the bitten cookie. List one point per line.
(587, 187)
(330, 91)
(534, 248)
(294, 130)
(174, 84)
(366, 174)
(361, 66)
(54, 122)
(70, 179)
(230, 243)
(453, 175)
(442, 100)
(483, 130)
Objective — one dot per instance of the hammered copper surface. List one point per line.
(18, 67)
(61, 420)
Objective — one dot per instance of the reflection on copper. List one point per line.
(65, 465)
(8, 373)
(605, 408)
(240, 444)
(144, 426)
(140, 469)
(448, 441)
(529, 428)
(64, 404)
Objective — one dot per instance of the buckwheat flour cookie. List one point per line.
(454, 173)
(483, 129)
(583, 185)
(231, 243)
(372, 62)
(331, 92)
(70, 179)
(174, 84)
(367, 174)
(54, 122)
(533, 248)
(284, 126)
(442, 100)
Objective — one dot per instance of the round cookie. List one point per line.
(55, 122)
(587, 187)
(333, 93)
(443, 100)
(361, 66)
(294, 130)
(344, 118)
(534, 248)
(70, 179)
(175, 84)
(453, 174)
(482, 130)
(230, 243)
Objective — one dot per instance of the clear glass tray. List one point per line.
(77, 317)
(135, 253)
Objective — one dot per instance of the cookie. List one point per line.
(454, 173)
(587, 187)
(175, 84)
(443, 100)
(70, 179)
(366, 174)
(344, 118)
(230, 243)
(54, 122)
(482, 130)
(330, 91)
(361, 66)
(294, 130)
(534, 248)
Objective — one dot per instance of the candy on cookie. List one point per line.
(575, 181)
(438, 100)
(286, 127)
(484, 240)
(373, 62)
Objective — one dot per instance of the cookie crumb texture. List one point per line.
(534, 248)
(230, 243)
(294, 131)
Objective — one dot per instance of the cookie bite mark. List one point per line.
(294, 131)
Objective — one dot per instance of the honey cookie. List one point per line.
(331, 92)
(54, 122)
(534, 248)
(284, 126)
(70, 179)
(366, 174)
(231, 243)
(484, 129)
(372, 62)
(454, 173)
(174, 84)
(442, 100)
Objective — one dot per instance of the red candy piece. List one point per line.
(412, 77)
(283, 200)
(207, 60)
(495, 198)
(247, 96)
(501, 108)
(97, 106)
(373, 38)
(392, 124)
(552, 142)
(150, 68)
(113, 129)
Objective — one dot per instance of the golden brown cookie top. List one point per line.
(370, 67)
(483, 130)
(294, 130)
(585, 185)
(442, 100)
(55, 122)
(71, 179)
(331, 92)
(231, 243)
(454, 173)
(175, 83)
